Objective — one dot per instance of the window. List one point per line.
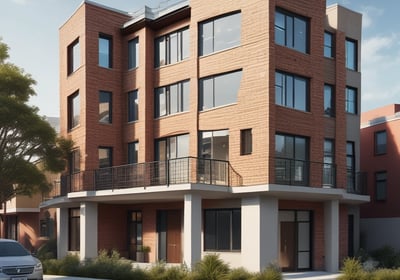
(73, 110)
(219, 34)
(172, 48)
(380, 142)
(105, 107)
(74, 58)
(291, 91)
(329, 101)
(133, 150)
(328, 44)
(135, 234)
(214, 144)
(291, 31)
(172, 147)
(246, 142)
(172, 99)
(222, 230)
(133, 106)
(105, 51)
(381, 186)
(219, 90)
(75, 161)
(329, 163)
(351, 100)
(133, 53)
(350, 164)
(12, 222)
(105, 157)
(291, 163)
(46, 228)
(351, 54)
(74, 229)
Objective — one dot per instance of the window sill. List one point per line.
(171, 64)
(216, 108)
(220, 51)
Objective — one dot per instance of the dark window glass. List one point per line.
(380, 142)
(214, 144)
(246, 142)
(73, 110)
(133, 53)
(133, 150)
(172, 48)
(74, 58)
(172, 99)
(74, 230)
(75, 161)
(222, 230)
(105, 157)
(328, 44)
(291, 91)
(105, 51)
(329, 101)
(351, 100)
(219, 34)
(172, 147)
(381, 186)
(133, 106)
(135, 234)
(291, 31)
(351, 166)
(351, 55)
(219, 90)
(105, 107)
(9, 249)
(329, 163)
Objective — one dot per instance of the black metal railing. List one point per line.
(169, 172)
(357, 182)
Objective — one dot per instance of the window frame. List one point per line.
(74, 227)
(246, 141)
(351, 105)
(203, 145)
(165, 49)
(71, 59)
(214, 37)
(181, 102)
(133, 105)
(351, 64)
(292, 43)
(381, 186)
(133, 53)
(286, 99)
(331, 93)
(234, 232)
(108, 100)
(329, 162)
(110, 156)
(133, 152)
(75, 161)
(74, 108)
(329, 49)
(109, 39)
(377, 146)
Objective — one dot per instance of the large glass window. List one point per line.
(351, 54)
(133, 53)
(219, 90)
(381, 186)
(74, 229)
(105, 107)
(133, 151)
(328, 45)
(105, 157)
(291, 31)
(172, 47)
(214, 144)
(219, 34)
(172, 99)
(329, 163)
(291, 164)
(73, 110)
(135, 221)
(105, 51)
(329, 100)
(222, 230)
(380, 142)
(172, 147)
(246, 142)
(133, 106)
(74, 58)
(291, 91)
(75, 161)
(351, 100)
(351, 165)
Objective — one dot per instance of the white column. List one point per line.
(192, 229)
(331, 229)
(259, 232)
(62, 232)
(88, 234)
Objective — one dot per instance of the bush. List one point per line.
(386, 274)
(239, 274)
(352, 270)
(48, 250)
(386, 257)
(211, 267)
(272, 272)
(160, 271)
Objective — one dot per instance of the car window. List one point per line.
(12, 249)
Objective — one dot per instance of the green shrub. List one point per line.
(48, 250)
(161, 271)
(271, 272)
(211, 267)
(386, 257)
(239, 274)
(352, 270)
(70, 265)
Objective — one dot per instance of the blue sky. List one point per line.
(30, 29)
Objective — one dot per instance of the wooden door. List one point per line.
(174, 237)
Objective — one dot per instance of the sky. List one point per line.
(30, 29)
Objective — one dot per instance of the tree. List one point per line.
(25, 137)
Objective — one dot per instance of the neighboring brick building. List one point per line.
(228, 127)
(380, 158)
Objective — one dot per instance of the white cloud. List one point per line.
(20, 2)
(369, 13)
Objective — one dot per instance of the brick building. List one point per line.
(228, 127)
(380, 140)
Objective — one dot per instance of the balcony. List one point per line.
(175, 171)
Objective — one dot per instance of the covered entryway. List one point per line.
(169, 228)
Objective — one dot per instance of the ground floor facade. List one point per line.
(246, 229)
(374, 233)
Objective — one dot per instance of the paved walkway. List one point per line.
(309, 275)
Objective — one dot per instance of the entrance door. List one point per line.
(169, 229)
(287, 246)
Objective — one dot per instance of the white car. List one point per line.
(16, 263)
